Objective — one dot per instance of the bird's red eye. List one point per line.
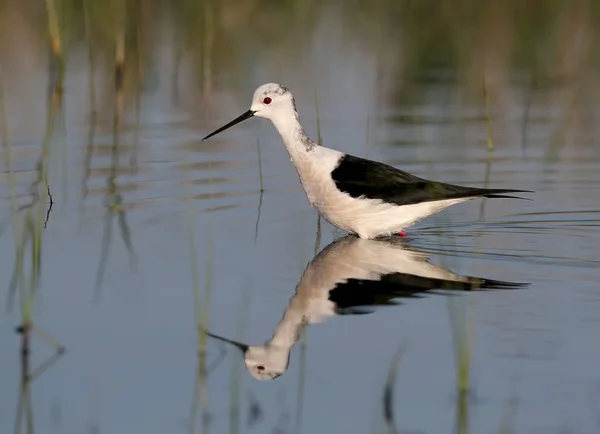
(267, 100)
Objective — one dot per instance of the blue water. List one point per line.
(132, 351)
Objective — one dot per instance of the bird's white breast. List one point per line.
(367, 218)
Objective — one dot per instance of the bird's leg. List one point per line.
(401, 234)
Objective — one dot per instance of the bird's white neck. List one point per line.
(289, 328)
(294, 137)
(277, 349)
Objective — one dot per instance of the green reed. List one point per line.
(8, 161)
(302, 369)
(531, 89)
(368, 136)
(235, 380)
(260, 173)
(36, 213)
(28, 237)
(507, 424)
(318, 119)
(202, 314)
(462, 333)
(488, 118)
(319, 143)
(490, 145)
(139, 35)
(193, 252)
(93, 111)
(114, 199)
(459, 316)
(304, 349)
(262, 190)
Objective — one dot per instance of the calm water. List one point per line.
(131, 361)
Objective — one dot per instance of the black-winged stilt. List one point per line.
(360, 196)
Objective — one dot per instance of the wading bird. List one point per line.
(360, 196)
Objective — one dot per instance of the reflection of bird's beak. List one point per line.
(239, 345)
(237, 120)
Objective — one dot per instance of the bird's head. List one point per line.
(265, 362)
(270, 101)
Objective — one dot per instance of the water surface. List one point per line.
(153, 231)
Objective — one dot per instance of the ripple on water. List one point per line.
(548, 248)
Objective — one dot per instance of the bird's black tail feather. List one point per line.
(498, 194)
(482, 283)
(504, 196)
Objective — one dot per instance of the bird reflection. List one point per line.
(352, 276)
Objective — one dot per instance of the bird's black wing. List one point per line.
(360, 177)
(361, 296)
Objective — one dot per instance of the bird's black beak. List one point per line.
(237, 120)
(242, 347)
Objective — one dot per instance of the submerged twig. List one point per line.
(388, 391)
(49, 207)
(24, 409)
(255, 411)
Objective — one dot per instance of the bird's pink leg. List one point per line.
(401, 234)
